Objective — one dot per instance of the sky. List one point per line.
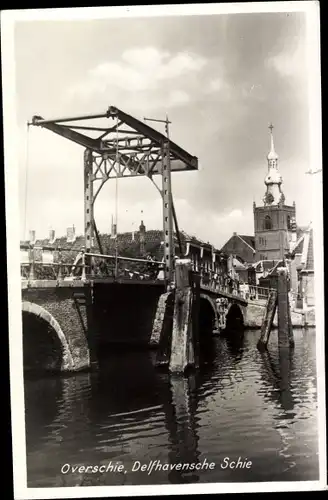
(222, 79)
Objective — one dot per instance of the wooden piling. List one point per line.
(182, 348)
(290, 326)
(283, 308)
(195, 317)
(268, 319)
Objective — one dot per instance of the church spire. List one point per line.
(272, 155)
(273, 180)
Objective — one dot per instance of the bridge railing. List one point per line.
(39, 270)
(84, 265)
(120, 267)
(47, 263)
(219, 282)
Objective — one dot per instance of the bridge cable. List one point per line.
(26, 177)
(116, 201)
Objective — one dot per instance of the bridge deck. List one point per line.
(122, 281)
(88, 282)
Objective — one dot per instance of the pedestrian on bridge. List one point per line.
(151, 265)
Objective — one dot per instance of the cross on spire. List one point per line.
(271, 127)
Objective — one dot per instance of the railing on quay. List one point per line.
(254, 292)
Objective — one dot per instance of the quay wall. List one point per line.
(255, 313)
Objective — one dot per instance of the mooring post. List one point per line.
(182, 349)
(283, 308)
(266, 327)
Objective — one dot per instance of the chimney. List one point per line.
(32, 236)
(113, 229)
(70, 234)
(142, 230)
(51, 236)
(234, 234)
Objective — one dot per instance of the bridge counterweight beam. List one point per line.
(167, 215)
(88, 205)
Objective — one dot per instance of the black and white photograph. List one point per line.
(163, 184)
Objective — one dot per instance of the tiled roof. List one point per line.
(265, 265)
(309, 266)
(299, 247)
(128, 243)
(250, 240)
(300, 230)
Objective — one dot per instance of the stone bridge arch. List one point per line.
(235, 316)
(40, 313)
(208, 313)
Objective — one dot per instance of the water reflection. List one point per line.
(130, 411)
(235, 343)
(276, 372)
(180, 419)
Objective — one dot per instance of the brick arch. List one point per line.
(39, 311)
(213, 305)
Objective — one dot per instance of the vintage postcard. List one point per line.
(163, 183)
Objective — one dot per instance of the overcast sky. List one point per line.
(221, 78)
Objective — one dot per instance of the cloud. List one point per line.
(177, 97)
(139, 69)
(215, 85)
(236, 213)
(289, 63)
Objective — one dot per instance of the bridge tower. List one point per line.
(127, 148)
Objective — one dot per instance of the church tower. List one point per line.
(274, 221)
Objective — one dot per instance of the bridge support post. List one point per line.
(88, 205)
(182, 345)
(285, 332)
(167, 214)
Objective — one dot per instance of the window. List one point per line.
(267, 222)
(289, 226)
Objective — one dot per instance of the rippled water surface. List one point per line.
(258, 406)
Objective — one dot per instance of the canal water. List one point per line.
(242, 404)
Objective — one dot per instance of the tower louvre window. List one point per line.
(267, 222)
